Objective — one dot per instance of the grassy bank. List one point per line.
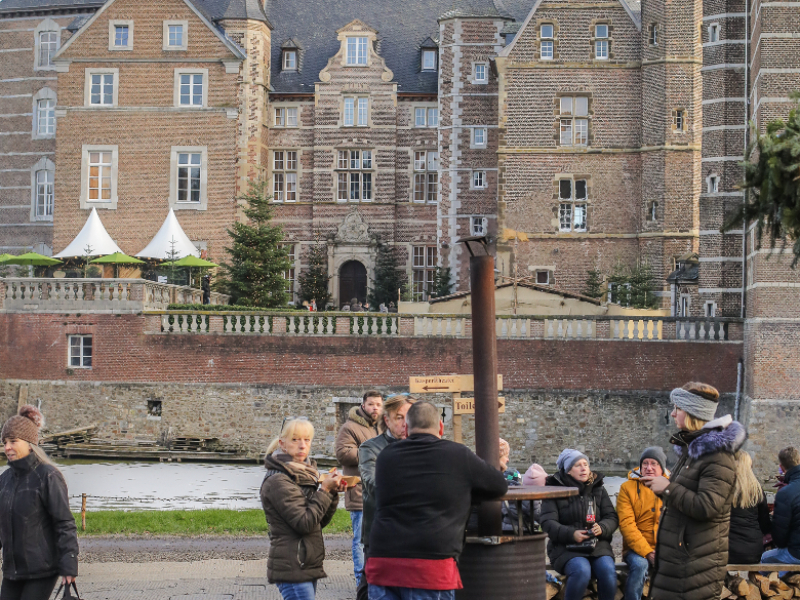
(189, 522)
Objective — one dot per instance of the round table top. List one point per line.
(539, 492)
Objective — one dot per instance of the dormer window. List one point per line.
(356, 51)
(429, 60)
(289, 60)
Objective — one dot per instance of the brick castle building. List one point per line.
(610, 134)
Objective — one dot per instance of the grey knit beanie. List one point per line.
(567, 459)
(657, 454)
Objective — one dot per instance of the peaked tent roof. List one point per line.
(94, 236)
(160, 247)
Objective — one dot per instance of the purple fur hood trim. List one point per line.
(730, 439)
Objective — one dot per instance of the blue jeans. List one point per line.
(358, 549)
(579, 571)
(780, 556)
(638, 567)
(378, 592)
(298, 591)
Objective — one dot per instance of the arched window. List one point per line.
(42, 197)
(44, 114)
(47, 41)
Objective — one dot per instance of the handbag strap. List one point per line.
(67, 593)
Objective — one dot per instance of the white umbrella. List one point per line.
(170, 243)
(93, 240)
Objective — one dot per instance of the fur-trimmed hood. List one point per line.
(720, 435)
(357, 415)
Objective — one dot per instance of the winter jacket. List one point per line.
(748, 528)
(367, 457)
(37, 529)
(638, 509)
(296, 512)
(786, 515)
(358, 428)
(424, 487)
(562, 517)
(692, 544)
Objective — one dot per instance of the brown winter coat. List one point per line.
(296, 512)
(357, 429)
(692, 544)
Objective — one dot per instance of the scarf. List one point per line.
(306, 472)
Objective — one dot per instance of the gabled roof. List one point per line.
(94, 236)
(539, 288)
(403, 27)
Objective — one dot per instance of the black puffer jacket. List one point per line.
(785, 528)
(692, 545)
(748, 528)
(562, 517)
(37, 529)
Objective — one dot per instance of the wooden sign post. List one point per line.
(453, 385)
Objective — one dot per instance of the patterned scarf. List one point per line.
(306, 472)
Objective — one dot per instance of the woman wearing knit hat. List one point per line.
(580, 528)
(692, 544)
(37, 529)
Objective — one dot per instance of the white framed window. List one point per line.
(429, 60)
(355, 111)
(572, 205)
(679, 119)
(601, 42)
(426, 176)
(713, 32)
(652, 34)
(286, 116)
(47, 41)
(542, 277)
(426, 116)
(176, 35)
(289, 275)
(356, 51)
(480, 73)
(80, 352)
(546, 41)
(44, 114)
(188, 178)
(100, 88)
(574, 120)
(120, 35)
(479, 180)
(713, 183)
(424, 271)
(191, 88)
(354, 172)
(478, 226)
(42, 197)
(284, 175)
(289, 60)
(479, 137)
(99, 174)
(684, 305)
(710, 309)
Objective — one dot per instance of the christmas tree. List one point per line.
(594, 284)
(314, 280)
(390, 276)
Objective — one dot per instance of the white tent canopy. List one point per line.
(93, 240)
(170, 238)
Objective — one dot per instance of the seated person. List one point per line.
(786, 515)
(749, 515)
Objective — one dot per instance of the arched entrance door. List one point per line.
(352, 282)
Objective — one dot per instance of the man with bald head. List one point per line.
(424, 487)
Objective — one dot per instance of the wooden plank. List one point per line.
(539, 492)
(466, 406)
(436, 384)
(764, 567)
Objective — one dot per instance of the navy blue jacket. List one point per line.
(786, 516)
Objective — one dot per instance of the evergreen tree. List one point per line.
(314, 280)
(594, 284)
(441, 282)
(254, 275)
(390, 276)
(772, 184)
(642, 294)
(619, 286)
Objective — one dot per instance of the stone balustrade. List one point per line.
(48, 295)
(660, 329)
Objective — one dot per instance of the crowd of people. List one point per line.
(411, 496)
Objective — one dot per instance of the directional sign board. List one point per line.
(466, 406)
(438, 384)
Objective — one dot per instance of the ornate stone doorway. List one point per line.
(352, 282)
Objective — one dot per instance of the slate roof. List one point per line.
(403, 27)
(213, 10)
(39, 5)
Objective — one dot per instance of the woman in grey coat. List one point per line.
(37, 529)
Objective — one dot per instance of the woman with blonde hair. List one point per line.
(749, 515)
(297, 506)
(692, 543)
(37, 529)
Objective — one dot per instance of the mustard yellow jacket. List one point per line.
(638, 509)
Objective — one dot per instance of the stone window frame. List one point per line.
(176, 90)
(589, 118)
(285, 171)
(422, 66)
(185, 35)
(539, 39)
(478, 180)
(712, 183)
(709, 314)
(548, 276)
(46, 26)
(285, 116)
(652, 34)
(428, 177)
(714, 31)
(480, 220)
(683, 306)
(473, 143)
(87, 87)
(45, 93)
(290, 274)
(85, 203)
(595, 40)
(427, 108)
(679, 114)
(43, 164)
(82, 355)
(475, 66)
(173, 178)
(346, 47)
(652, 211)
(112, 34)
(349, 169)
(572, 202)
(356, 108)
(285, 52)
(424, 259)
